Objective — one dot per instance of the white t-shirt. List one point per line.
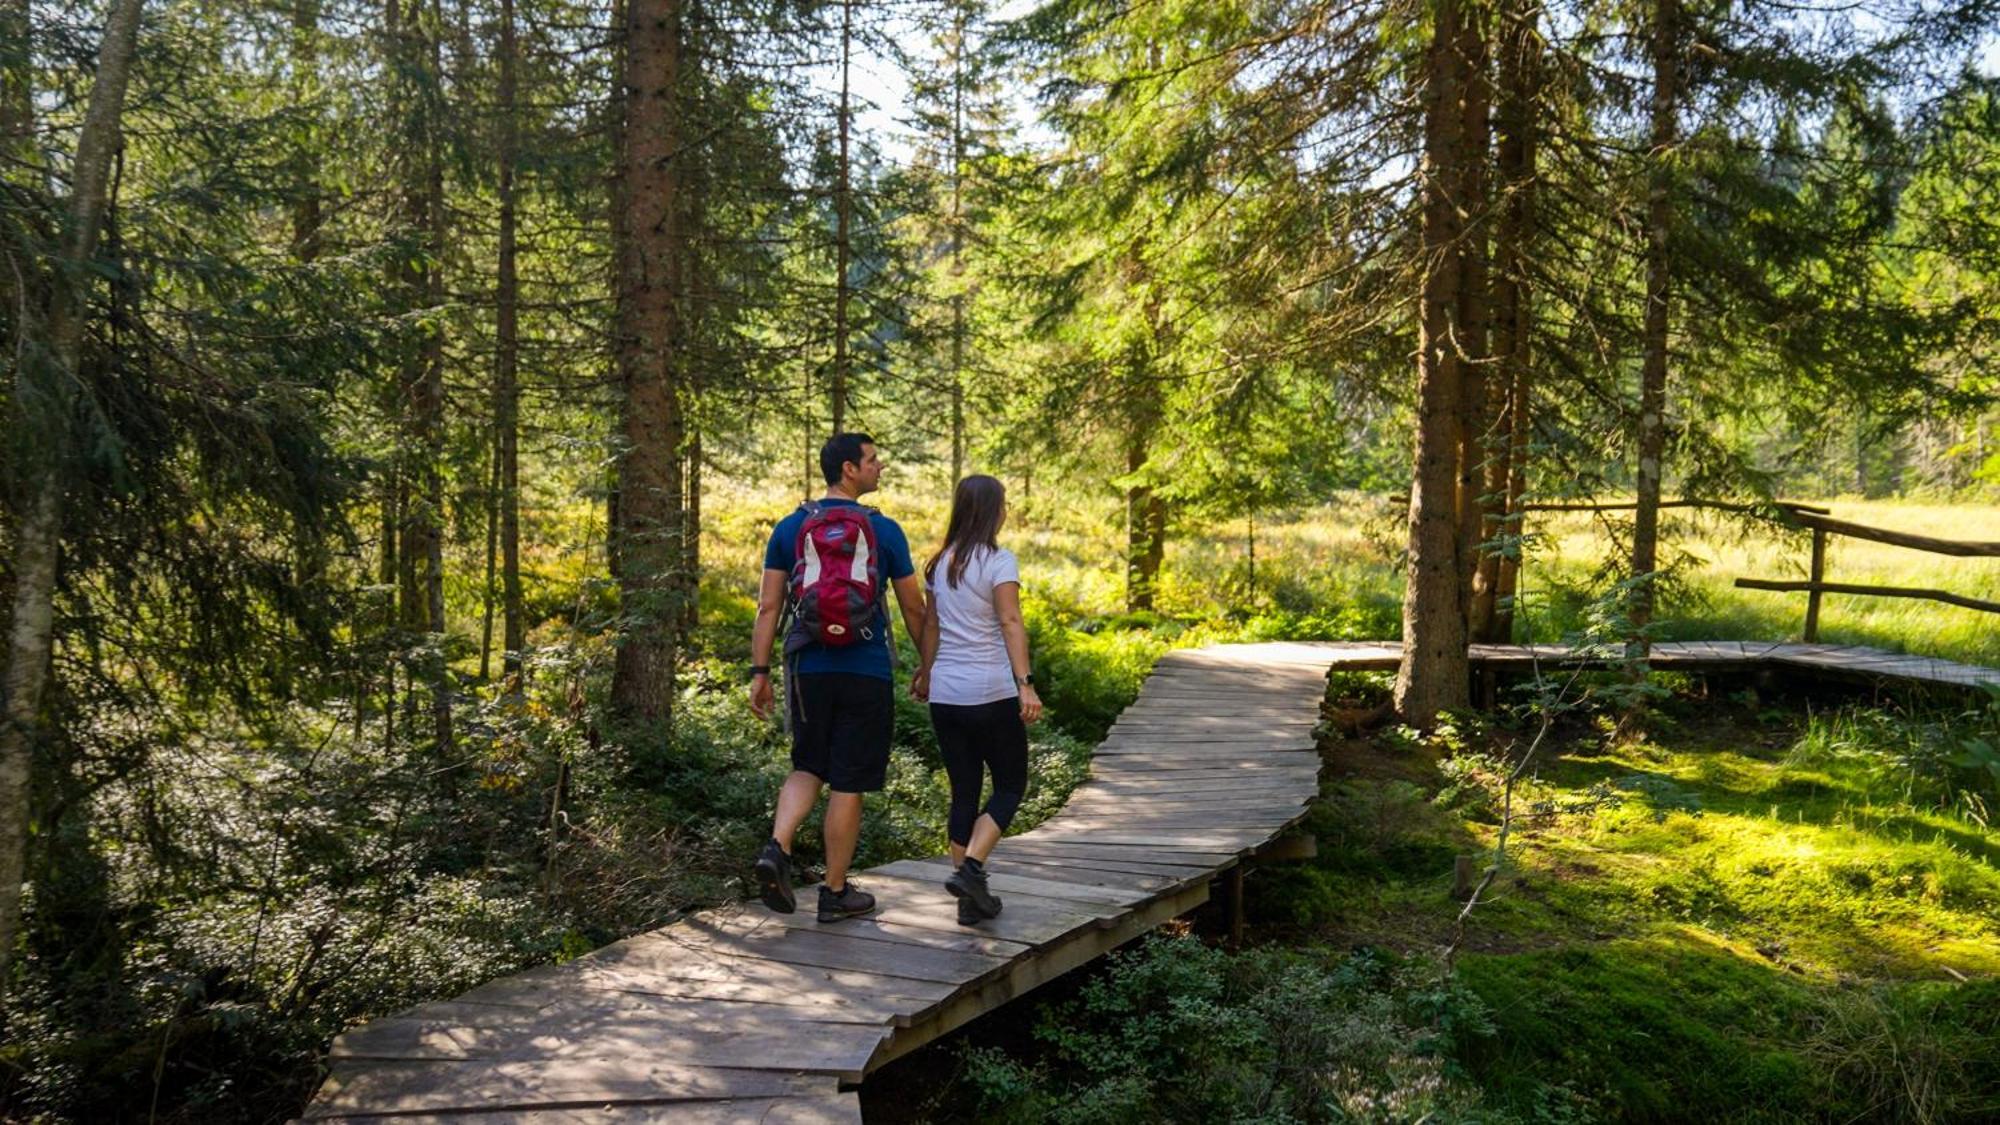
(972, 666)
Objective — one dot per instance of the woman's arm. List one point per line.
(1007, 606)
(927, 647)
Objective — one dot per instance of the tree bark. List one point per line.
(957, 244)
(649, 522)
(1653, 371)
(506, 369)
(691, 536)
(306, 217)
(1475, 413)
(1513, 318)
(1432, 675)
(843, 228)
(44, 399)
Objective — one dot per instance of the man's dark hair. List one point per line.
(839, 450)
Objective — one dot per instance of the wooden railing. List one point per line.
(1822, 525)
(1818, 520)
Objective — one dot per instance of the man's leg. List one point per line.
(843, 832)
(795, 802)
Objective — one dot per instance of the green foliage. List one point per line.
(1175, 1030)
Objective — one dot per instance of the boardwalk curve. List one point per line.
(740, 1014)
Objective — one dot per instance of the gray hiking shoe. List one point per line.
(774, 878)
(968, 885)
(851, 902)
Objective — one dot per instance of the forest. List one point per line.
(398, 396)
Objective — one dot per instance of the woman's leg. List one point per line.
(955, 737)
(1003, 745)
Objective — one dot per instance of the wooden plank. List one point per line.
(1036, 844)
(1004, 883)
(1182, 795)
(829, 950)
(1210, 839)
(1033, 920)
(874, 927)
(653, 963)
(1138, 768)
(822, 1109)
(1030, 973)
(1100, 873)
(587, 1003)
(356, 1089)
(842, 1050)
(1210, 746)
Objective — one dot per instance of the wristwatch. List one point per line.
(757, 670)
(1025, 681)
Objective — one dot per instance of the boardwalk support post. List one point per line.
(1818, 576)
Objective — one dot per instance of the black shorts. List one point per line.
(841, 728)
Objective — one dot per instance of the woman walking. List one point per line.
(975, 674)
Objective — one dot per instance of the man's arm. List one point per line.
(770, 599)
(910, 599)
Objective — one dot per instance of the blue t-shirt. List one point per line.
(867, 658)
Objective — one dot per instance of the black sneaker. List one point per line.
(968, 914)
(774, 878)
(968, 884)
(851, 902)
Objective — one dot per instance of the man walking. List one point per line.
(828, 562)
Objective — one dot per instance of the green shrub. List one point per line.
(1174, 1030)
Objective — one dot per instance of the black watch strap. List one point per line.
(760, 670)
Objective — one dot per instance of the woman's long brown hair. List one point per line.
(976, 508)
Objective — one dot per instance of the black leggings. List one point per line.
(974, 739)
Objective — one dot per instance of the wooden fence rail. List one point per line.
(1820, 522)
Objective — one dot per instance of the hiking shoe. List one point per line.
(774, 878)
(968, 914)
(849, 903)
(968, 884)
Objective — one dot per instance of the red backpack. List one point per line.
(836, 583)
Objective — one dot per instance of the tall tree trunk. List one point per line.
(44, 400)
(843, 201)
(1513, 318)
(1659, 281)
(1432, 675)
(422, 533)
(1145, 530)
(506, 367)
(649, 521)
(486, 591)
(1475, 412)
(306, 217)
(691, 536)
(957, 244)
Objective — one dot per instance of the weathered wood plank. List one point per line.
(1216, 755)
(358, 1089)
(822, 1109)
(1098, 873)
(1004, 883)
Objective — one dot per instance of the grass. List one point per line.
(1746, 912)
(1330, 570)
(1752, 910)
(1708, 552)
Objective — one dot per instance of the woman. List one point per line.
(975, 675)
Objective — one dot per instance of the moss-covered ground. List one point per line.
(1739, 908)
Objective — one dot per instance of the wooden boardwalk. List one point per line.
(740, 1014)
(744, 1015)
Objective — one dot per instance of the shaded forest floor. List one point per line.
(1755, 907)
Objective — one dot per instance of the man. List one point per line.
(841, 695)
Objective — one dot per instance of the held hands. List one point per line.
(920, 685)
(760, 696)
(1031, 704)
